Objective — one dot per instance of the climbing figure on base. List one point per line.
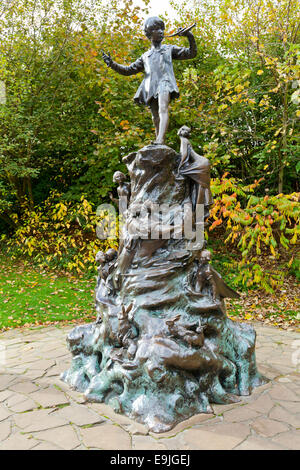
(207, 275)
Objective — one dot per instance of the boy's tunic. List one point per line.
(158, 68)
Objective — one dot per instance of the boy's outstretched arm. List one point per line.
(182, 53)
(132, 69)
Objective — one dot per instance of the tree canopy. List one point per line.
(66, 119)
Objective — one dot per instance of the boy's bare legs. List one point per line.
(163, 109)
(160, 115)
(155, 115)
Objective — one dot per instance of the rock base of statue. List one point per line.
(160, 350)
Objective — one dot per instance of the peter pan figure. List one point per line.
(159, 85)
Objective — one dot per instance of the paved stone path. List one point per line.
(38, 411)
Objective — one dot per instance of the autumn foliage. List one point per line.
(66, 121)
(59, 235)
(260, 227)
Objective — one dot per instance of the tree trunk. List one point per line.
(29, 188)
(284, 140)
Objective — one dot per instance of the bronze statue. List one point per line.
(208, 276)
(197, 168)
(126, 331)
(159, 85)
(123, 190)
(184, 331)
(163, 348)
(106, 262)
(125, 336)
(100, 260)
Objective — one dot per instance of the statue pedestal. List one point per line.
(161, 349)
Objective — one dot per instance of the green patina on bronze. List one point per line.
(162, 348)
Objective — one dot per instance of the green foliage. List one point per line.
(260, 227)
(248, 109)
(294, 267)
(48, 66)
(58, 234)
(68, 120)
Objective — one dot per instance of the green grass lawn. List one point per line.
(30, 296)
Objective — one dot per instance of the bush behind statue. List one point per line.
(62, 234)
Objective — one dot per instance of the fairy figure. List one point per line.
(123, 191)
(197, 168)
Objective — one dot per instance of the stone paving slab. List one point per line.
(39, 412)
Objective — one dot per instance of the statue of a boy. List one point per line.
(159, 85)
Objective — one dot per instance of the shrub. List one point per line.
(262, 228)
(59, 234)
(62, 234)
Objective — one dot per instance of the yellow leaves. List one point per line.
(264, 102)
(72, 241)
(124, 125)
(251, 101)
(269, 61)
(248, 316)
(52, 235)
(298, 113)
(260, 72)
(275, 90)
(293, 240)
(215, 224)
(239, 88)
(222, 107)
(277, 132)
(62, 210)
